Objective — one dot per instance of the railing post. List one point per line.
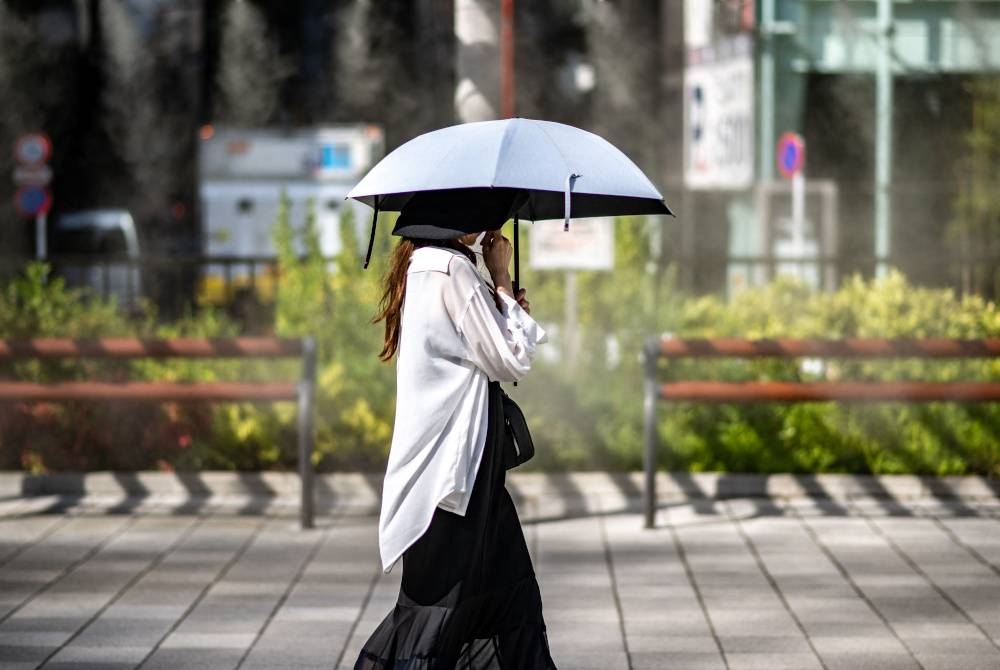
(307, 392)
(650, 354)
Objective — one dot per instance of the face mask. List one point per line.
(477, 246)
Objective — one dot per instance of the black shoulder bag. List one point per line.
(518, 446)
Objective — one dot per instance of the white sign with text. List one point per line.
(718, 116)
(589, 244)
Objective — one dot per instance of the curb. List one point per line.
(364, 488)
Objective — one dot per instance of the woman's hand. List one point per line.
(523, 301)
(497, 252)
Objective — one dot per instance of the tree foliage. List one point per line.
(975, 229)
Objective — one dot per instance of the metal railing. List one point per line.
(687, 390)
(302, 392)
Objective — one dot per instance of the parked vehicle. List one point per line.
(243, 175)
(99, 249)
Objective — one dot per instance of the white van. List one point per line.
(245, 172)
(98, 249)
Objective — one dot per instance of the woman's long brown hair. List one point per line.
(394, 288)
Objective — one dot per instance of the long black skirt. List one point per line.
(468, 598)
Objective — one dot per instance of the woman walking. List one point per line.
(469, 598)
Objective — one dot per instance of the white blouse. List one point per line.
(453, 341)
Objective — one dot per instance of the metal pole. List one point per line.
(41, 236)
(507, 90)
(650, 354)
(569, 318)
(799, 222)
(765, 169)
(883, 138)
(517, 256)
(307, 389)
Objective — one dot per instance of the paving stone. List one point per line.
(208, 641)
(774, 645)
(17, 653)
(869, 661)
(958, 646)
(937, 631)
(33, 638)
(193, 659)
(960, 661)
(647, 644)
(106, 632)
(590, 661)
(75, 653)
(125, 611)
(674, 661)
(649, 594)
(845, 629)
(760, 661)
(88, 665)
(851, 645)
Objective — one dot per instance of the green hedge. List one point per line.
(584, 414)
(595, 419)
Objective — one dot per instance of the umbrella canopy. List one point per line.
(542, 157)
(465, 177)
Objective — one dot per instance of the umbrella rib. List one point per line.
(556, 146)
(500, 148)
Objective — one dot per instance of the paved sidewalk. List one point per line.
(739, 584)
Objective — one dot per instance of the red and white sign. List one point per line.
(791, 154)
(33, 150)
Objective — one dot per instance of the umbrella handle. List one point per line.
(371, 238)
(570, 178)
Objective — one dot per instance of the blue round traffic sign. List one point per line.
(32, 200)
(791, 155)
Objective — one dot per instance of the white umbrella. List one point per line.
(551, 170)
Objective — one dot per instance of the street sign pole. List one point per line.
(570, 320)
(798, 216)
(33, 175)
(41, 237)
(791, 164)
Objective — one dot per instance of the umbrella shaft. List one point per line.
(517, 257)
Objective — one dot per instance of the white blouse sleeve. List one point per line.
(502, 344)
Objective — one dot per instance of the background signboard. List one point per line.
(718, 115)
(589, 244)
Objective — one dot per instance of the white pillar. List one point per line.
(883, 138)
(765, 168)
(477, 60)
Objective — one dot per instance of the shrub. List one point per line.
(584, 413)
(88, 435)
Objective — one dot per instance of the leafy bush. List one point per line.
(88, 435)
(355, 394)
(595, 419)
(584, 413)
